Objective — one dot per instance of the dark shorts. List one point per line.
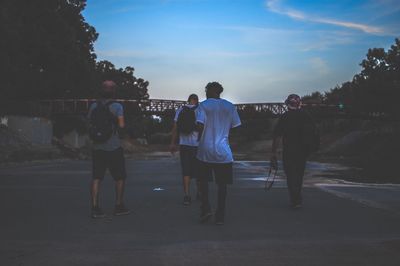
(189, 162)
(114, 161)
(221, 172)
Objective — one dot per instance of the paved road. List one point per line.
(45, 220)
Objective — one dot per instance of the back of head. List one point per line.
(293, 102)
(193, 99)
(214, 89)
(108, 89)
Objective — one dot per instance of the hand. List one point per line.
(274, 162)
(173, 148)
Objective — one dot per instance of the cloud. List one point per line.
(275, 6)
(319, 66)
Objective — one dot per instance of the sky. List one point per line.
(259, 50)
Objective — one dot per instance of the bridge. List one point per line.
(48, 108)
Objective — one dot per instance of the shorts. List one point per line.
(114, 161)
(221, 172)
(189, 162)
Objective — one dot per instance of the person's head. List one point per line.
(108, 89)
(214, 90)
(293, 102)
(193, 99)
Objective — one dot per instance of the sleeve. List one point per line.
(200, 115)
(235, 118)
(92, 106)
(177, 114)
(119, 110)
(278, 130)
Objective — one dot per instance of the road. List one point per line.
(45, 220)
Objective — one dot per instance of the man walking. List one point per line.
(296, 128)
(106, 121)
(215, 117)
(185, 127)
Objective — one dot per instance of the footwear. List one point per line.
(219, 218)
(296, 206)
(121, 210)
(204, 216)
(219, 221)
(187, 200)
(97, 213)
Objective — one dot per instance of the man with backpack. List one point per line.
(300, 138)
(185, 129)
(215, 118)
(106, 122)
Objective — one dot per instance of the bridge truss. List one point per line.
(48, 108)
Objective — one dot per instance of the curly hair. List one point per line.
(215, 86)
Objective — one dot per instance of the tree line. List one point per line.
(375, 89)
(47, 51)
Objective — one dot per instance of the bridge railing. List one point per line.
(48, 108)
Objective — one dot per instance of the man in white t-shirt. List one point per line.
(185, 128)
(215, 117)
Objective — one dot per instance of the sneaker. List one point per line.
(219, 218)
(296, 206)
(121, 210)
(97, 213)
(219, 221)
(187, 200)
(204, 216)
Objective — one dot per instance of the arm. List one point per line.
(200, 120)
(200, 129)
(120, 121)
(274, 156)
(173, 147)
(276, 140)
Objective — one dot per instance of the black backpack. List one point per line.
(102, 123)
(187, 120)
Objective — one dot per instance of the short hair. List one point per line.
(108, 89)
(215, 86)
(193, 97)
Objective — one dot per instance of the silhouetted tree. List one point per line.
(46, 51)
(46, 48)
(129, 87)
(376, 87)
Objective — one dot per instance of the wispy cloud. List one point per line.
(319, 65)
(276, 7)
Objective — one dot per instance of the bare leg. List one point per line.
(95, 188)
(119, 191)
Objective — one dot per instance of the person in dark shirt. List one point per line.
(292, 128)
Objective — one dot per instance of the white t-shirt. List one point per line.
(191, 139)
(218, 116)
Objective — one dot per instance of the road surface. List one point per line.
(45, 220)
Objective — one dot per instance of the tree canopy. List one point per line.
(374, 89)
(47, 51)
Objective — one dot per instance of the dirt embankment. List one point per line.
(14, 147)
(370, 148)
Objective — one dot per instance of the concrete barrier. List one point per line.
(36, 130)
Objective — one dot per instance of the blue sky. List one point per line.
(259, 50)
